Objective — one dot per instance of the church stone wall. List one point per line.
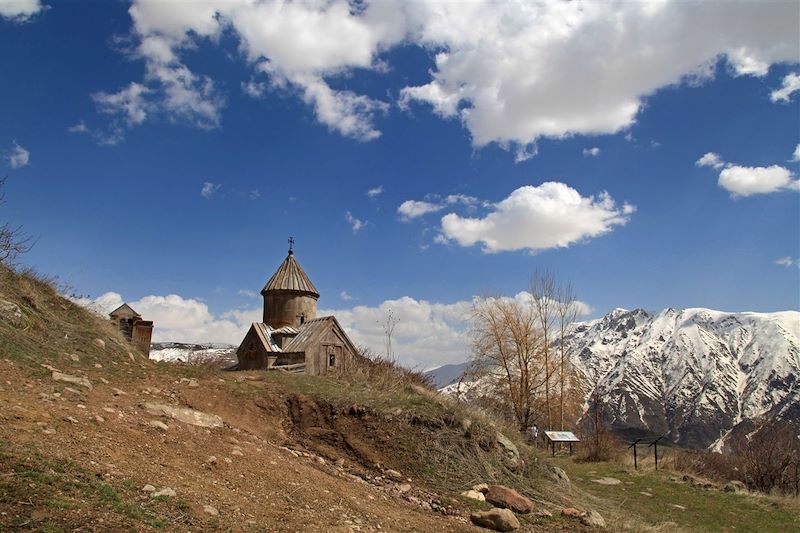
(286, 308)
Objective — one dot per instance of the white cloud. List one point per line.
(536, 218)
(747, 181)
(510, 72)
(791, 84)
(515, 72)
(591, 152)
(80, 127)
(18, 157)
(376, 191)
(710, 159)
(788, 262)
(411, 209)
(249, 294)
(254, 194)
(129, 103)
(254, 89)
(356, 224)
(209, 189)
(20, 10)
(345, 296)
(796, 154)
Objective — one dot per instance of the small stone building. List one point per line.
(133, 328)
(290, 334)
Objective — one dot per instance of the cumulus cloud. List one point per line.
(254, 89)
(747, 181)
(510, 72)
(411, 209)
(128, 103)
(796, 154)
(591, 152)
(18, 156)
(345, 296)
(788, 262)
(375, 191)
(80, 127)
(355, 223)
(209, 189)
(710, 159)
(551, 215)
(20, 10)
(791, 84)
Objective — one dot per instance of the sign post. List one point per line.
(561, 436)
(654, 445)
(635, 464)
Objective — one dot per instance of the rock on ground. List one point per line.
(559, 475)
(76, 380)
(735, 486)
(507, 498)
(210, 510)
(495, 519)
(100, 343)
(166, 492)
(184, 414)
(474, 495)
(607, 481)
(512, 453)
(11, 313)
(593, 519)
(481, 487)
(571, 512)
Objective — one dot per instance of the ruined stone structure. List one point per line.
(133, 328)
(290, 334)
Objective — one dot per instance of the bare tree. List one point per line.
(544, 296)
(507, 347)
(388, 325)
(567, 312)
(13, 242)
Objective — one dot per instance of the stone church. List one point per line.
(290, 335)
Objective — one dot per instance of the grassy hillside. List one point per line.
(291, 453)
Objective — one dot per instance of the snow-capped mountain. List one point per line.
(216, 354)
(691, 374)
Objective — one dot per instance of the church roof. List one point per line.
(290, 277)
(125, 310)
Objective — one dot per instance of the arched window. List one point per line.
(331, 359)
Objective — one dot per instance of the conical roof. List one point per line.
(290, 277)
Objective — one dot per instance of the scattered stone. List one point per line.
(148, 488)
(75, 380)
(98, 365)
(184, 414)
(100, 343)
(544, 514)
(571, 512)
(48, 431)
(238, 452)
(495, 519)
(210, 510)
(99, 419)
(165, 492)
(109, 410)
(677, 506)
(403, 488)
(74, 357)
(735, 486)
(394, 474)
(80, 406)
(474, 495)
(593, 519)
(512, 453)
(481, 487)
(559, 475)
(507, 498)
(339, 463)
(193, 383)
(644, 493)
(118, 392)
(132, 358)
(71, 419)
(212, 460)
(104, 380)
(607, 481)
(158, 424)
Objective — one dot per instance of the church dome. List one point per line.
(290, 276)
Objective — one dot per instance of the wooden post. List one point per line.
(654, 444)
(635, 461)
(570, 449)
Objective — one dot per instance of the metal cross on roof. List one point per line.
(291, 244)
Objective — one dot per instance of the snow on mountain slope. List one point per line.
(692, 374)
(178, 352)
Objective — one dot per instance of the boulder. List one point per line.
(208, 509)
(405, 487)
(571, 512)
(481, 487)
(100, 343)
(165, 492)
(474, 495)
(511, 452)
(11, 313)
(76, 380)
(394, 474)
(544, 514)
(507, 498)
(593, 519)
(558, 475)
(184, 414)
(495, 519)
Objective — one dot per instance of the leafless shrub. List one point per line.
(13, 241)
(381, 372)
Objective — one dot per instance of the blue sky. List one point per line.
(546, 138)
